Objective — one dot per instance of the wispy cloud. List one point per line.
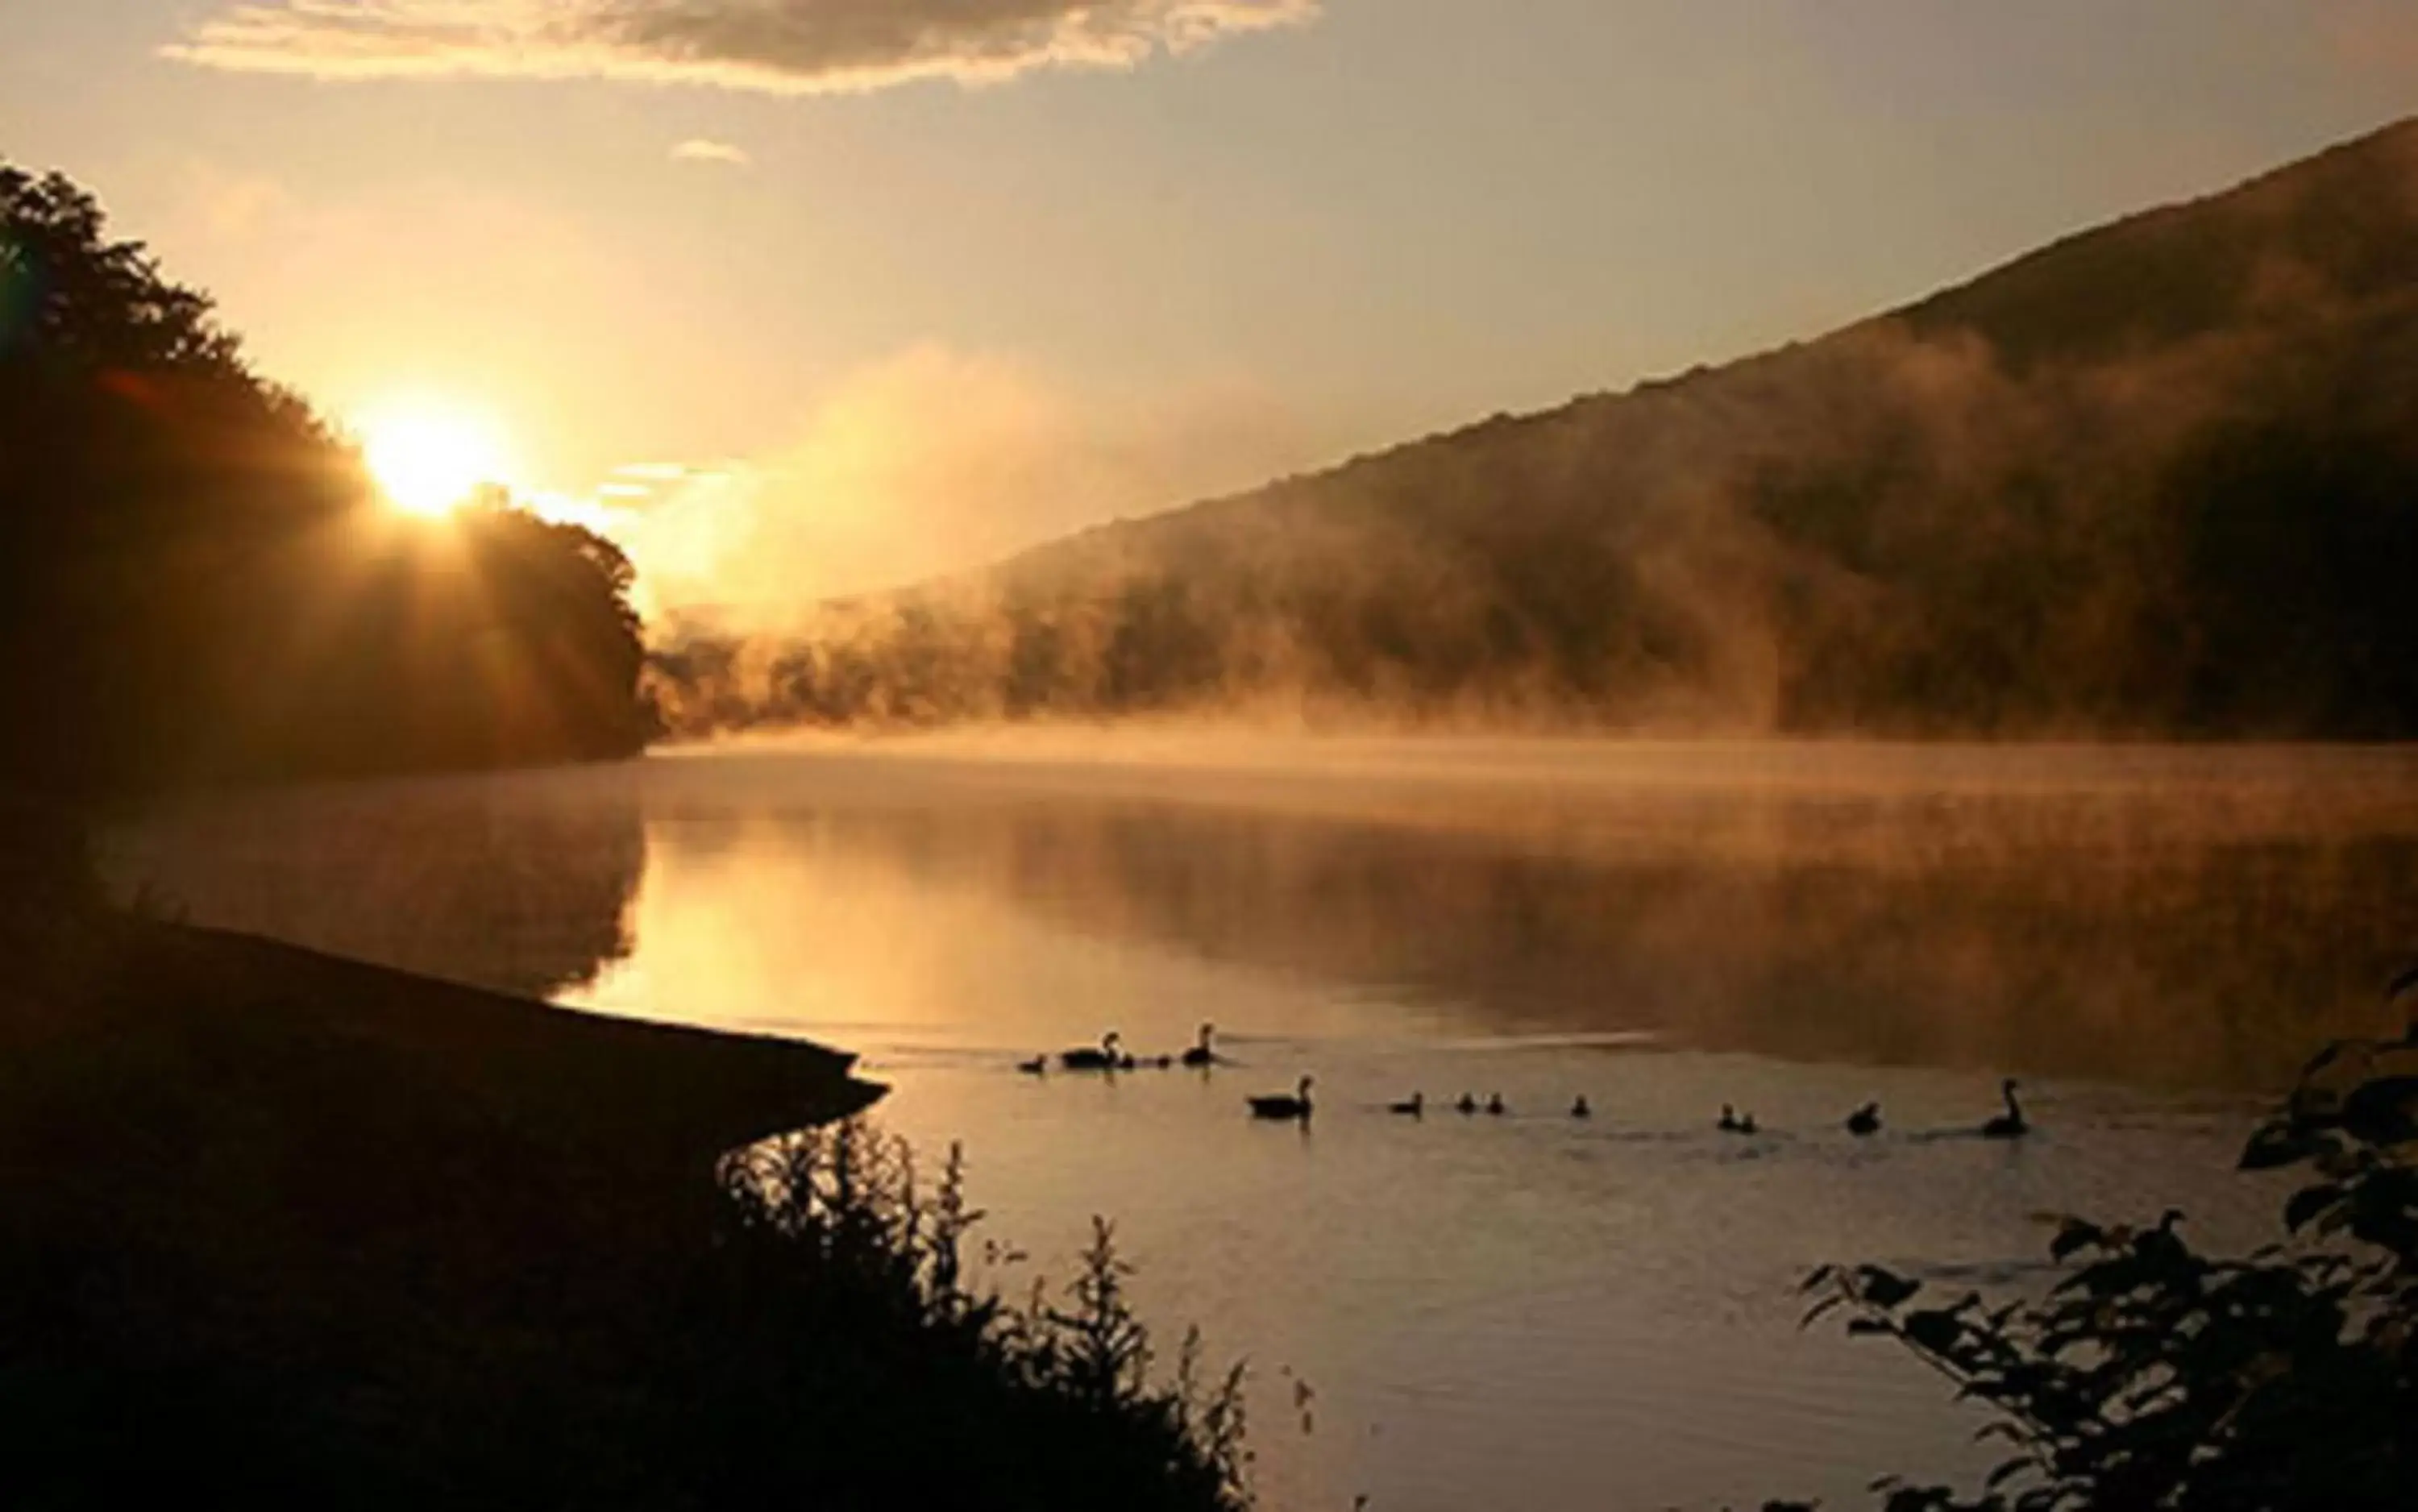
(781, 46)
(700, 150)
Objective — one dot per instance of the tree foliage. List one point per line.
(2155, 1376)
(196, 580)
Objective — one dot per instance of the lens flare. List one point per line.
(429, 457)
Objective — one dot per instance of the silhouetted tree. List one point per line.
(196, 580)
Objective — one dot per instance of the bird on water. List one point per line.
(1282, 1106)
(1037, 1066)
(1201, 1056)
(1494, 1105)
(1734, 1122)
(2010, 1124)
(1467, 1105)
(1579, 1108)
(1414, 1106)
(1865, 1120)
(1105, 1057)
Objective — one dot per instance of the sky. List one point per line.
(806, 297)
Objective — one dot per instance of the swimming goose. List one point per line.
(1200, 1055)
(1037, 1066)
(1281, 1107)
(1734, 1122)
(2009, 1124)
(1494, 1105)
(1865, 1120)
(1579, 1108)
(1105, 1057)
(1467, 1104)
(1416, 1108)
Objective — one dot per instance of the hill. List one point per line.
(2158, 479)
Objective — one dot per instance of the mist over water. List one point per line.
(1518, 1312)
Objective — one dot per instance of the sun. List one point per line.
(428, 457)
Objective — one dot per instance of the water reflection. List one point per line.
(2200, 923)
(2187, 917)
(519, 883)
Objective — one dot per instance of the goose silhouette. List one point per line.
(1466, 1106)
(1107, 1056)
(2010, 1124)
(1037, 1066)
(1865, 1120)
(1282, 1106)
(1579, 1108)
(1201, 1056)
(1415, 1107)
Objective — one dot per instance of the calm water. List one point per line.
(1524, 1312)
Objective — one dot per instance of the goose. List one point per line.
(1729, 1120)
(1467, 1104)
(1281, 1107)
(1416, 1108)
(1201, 1056)
(2009, 1124)
(1865, 1120)
(1037, 1066)
(1746, 1123)
(1579, 1108)
(1107, 1057)
(1494, 1105)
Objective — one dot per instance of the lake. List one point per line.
(1523, 1311)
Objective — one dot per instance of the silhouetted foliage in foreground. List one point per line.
(197, 579)
(850, 1349)
(819, 1343)
(2155, 1376)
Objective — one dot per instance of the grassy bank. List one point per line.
(282, 1226)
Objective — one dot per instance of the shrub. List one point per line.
(845, 1346)
(2153, 1375)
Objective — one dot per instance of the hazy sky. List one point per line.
(922, 280)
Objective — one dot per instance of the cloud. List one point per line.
(780, 46)
(699, 149)
(935, 460)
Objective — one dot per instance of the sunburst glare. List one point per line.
(429, 456)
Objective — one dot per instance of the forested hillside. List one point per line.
(2160, 478)
(198, 582)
